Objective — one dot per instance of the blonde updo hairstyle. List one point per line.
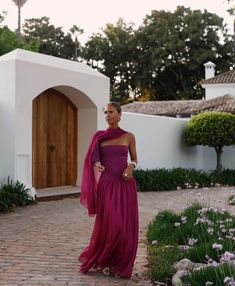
(116, 106)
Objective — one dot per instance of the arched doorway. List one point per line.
(54, 150)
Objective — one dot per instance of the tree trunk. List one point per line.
(234, 34)
(219, 151)
(19, 24)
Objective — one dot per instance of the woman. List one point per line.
(109, 191)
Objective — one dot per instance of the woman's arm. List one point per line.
(127, 174)
(132, 148)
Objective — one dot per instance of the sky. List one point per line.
(93, 15)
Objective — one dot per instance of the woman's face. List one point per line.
(111, 114)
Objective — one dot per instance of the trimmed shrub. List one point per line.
(171, 179)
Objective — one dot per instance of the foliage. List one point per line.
(207, 231)
(162, 59)
(19, 3)
(231, 9)
(161, 260)
(52, 40)
(215, 275)
(162, 228)
(171, 179)
(2, 16)
(13, 194)
(213, 129)
(113, 54)
(8, 40)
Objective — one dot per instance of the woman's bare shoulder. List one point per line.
(130, 136)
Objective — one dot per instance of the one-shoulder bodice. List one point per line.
(114, 159)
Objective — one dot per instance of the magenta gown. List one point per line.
(115, 235)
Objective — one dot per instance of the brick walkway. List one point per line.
(39, 244)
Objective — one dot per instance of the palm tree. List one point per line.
(75, 31)
(19, 4)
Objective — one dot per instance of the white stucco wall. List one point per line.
(23, 76)
(215, 90)
(160, 145)
(7, 105)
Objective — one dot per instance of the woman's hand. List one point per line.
(98, 167)
(128, 173)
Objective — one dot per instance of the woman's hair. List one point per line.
(117, 106)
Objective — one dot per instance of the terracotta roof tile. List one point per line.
(227, 77)
(182, 108)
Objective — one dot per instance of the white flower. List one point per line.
(183, 219)
(229, 281)
(177, 224)
(203, 211)
(154, 242)
(208, 283)
(210, 230)
(217, 246)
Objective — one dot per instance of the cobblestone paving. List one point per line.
(39, 244)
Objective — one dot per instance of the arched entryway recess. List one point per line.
(58, 123)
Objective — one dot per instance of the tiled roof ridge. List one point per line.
(225, 77)
(224, 103)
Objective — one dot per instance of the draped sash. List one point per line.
(89, 183)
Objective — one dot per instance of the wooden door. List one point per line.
(54, 140)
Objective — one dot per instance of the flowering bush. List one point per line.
(207, 234)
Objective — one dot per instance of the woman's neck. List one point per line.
(113, 126)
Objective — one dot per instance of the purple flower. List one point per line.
(192, 241)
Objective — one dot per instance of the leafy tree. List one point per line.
(213, 129)
(9, 40)
(112, 54)
(52, 40)
(163, 59)
(2, 16)
(231, 11)
(173, 47)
